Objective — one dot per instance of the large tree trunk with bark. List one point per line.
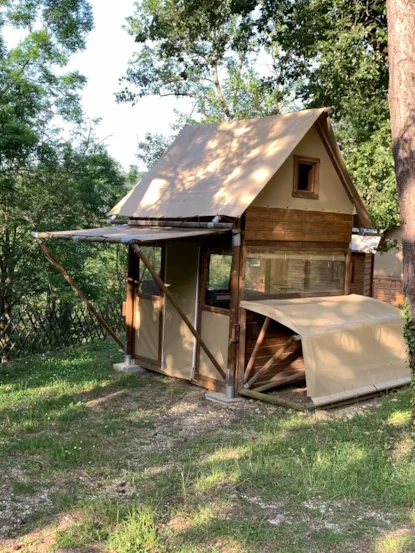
(401, 53)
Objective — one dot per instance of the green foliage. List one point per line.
(47, 182)
(340, 61)
(203, 51)
(320, 52)
(152, 148)
(219, 271)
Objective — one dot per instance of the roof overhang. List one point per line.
(365, 244)
(124, 234)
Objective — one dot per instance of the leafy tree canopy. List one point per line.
(46, 180)
(188, 49)
(324, 53)
(335, 54)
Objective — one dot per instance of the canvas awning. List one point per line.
(365, 243)
(122, 234)
(352, 345)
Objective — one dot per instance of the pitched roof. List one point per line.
(219, 169)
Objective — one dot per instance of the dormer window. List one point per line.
(306, 173)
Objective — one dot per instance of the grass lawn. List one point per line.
(93, 461)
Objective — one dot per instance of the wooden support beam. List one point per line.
(282, 378)
(242, 319)
(82, 297)
(179, 310)
(259, 341)
(234, 327)
(348, 272)
(274, 358)
(276, 400)
(133, 282)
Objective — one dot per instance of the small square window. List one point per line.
(306, 173)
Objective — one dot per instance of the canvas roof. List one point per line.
(365, 244)
(219, 169)
(126, 233)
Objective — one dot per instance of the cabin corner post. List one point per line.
(234, 326)
(132, 283)
(348, 272)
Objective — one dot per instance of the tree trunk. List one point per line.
(401, 27)
(219, 93)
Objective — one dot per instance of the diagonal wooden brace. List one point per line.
(274, 358)
(77, 290)
(256, 348)
(169, 296)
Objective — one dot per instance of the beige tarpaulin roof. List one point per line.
(126, 233)
(352, 345)
(219, 169)
(364, 244)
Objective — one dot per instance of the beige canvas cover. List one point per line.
(352, 345)
(146, 326)
(333, 197)
(219, 169)
(182, 267)
(215, 333)
(364, 244)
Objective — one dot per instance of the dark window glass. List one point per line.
(218, 278)
(278, 272)
(305, 177)
(148, 285)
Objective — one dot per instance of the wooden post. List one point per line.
(133, 279)
(276, 400)
(201, 292)
(234, 327)
(82, 297)
(179, 310)
(242, 321)
(348, 272)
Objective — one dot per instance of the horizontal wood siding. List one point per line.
(275, 337)
(297, 225)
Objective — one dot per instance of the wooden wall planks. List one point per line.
(275, 337)
(296, 225)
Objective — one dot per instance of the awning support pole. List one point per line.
(167, 293)
(77, 291)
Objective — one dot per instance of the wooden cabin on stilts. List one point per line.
(239, 266)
